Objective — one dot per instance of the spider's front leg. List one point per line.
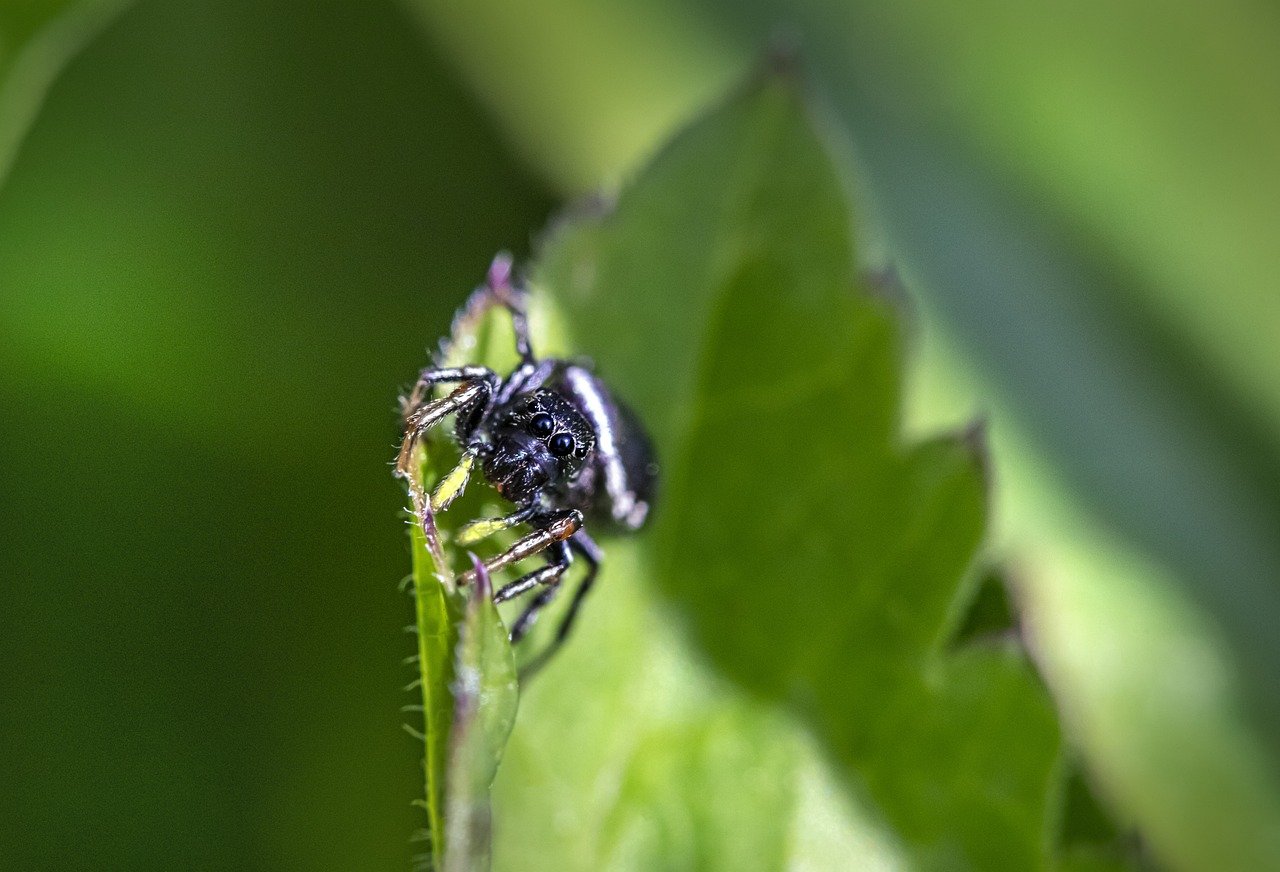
(432, 376)
(418, 419)
(551, 529)
(423, 416)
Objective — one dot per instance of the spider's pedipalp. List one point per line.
(454, 482)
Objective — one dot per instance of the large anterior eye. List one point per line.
(561, 444)
(541, 424)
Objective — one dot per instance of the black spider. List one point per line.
(551, 438)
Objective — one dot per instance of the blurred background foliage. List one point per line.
(229, 231)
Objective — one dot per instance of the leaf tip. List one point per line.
(483, 585)
(974, 439)
(990, 615)
(885, 283)
(779, 68)
(781, 59)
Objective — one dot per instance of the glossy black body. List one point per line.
(614, 489)
(609, 475)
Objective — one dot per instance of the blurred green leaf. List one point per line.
(1144, 681)
(37, 39)
(1151, 427)
(586, 115)
(484, 700)
(1133, 121)
(819, 562)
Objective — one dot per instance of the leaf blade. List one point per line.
(738, 233)
(437, 612)
(485, 696)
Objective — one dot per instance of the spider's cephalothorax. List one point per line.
(550, 437)
(539, 441)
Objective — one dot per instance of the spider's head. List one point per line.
(539, 440)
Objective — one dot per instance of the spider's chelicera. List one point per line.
(550, 437)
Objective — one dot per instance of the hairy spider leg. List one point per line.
(558, 559)
(455, 481)
(418, 421)
(474, 531)
(432, 376)
(528, 376)
(524, 623)
(499, 280)
(426, 415)
(499, 289)
(549, 529)
(593, 555)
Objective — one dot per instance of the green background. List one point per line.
(230, 238)
(230, 232)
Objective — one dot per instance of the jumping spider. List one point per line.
(550, 437)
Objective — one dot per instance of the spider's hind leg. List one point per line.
(594, 556)
(548, 577)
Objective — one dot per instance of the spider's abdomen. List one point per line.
(618, 485)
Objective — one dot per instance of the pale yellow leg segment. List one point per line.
(453, 484)
(558, 530)
(484, 528)
(417, 422)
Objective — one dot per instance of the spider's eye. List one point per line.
(541, 424)
(561, 444)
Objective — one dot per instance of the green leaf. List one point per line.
(467, 676)
(37, 39)
(631, 754)
(437, 610)
(736, 753)
(1104, 134)
(1133, 338)
(819, 563)
(485, 696)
